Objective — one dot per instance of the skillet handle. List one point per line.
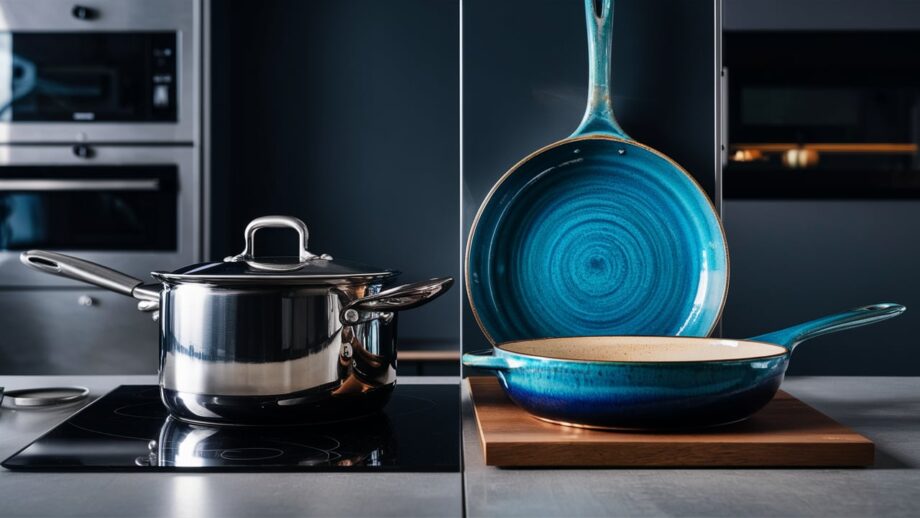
(598, 118)
(485, 360)
(793, 336)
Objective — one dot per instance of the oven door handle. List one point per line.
(64, 184)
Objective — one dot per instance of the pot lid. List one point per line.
(305, 268)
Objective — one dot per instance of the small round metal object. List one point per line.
(45, 396)
(86, 300)
(351, 316)
(83, 151)
(82, 12)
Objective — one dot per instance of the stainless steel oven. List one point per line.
(100, 157)
(103, 71)
(133, 207)
(136, 208)
(823, 114)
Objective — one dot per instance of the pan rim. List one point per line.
(568, 140)
(782, 351)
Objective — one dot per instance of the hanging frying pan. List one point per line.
(596, 234)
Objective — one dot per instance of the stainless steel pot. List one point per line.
(267, 340)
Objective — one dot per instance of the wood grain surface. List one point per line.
(787, 432)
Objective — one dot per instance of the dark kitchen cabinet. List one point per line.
(807, 241)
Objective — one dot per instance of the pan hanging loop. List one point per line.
(304, 256)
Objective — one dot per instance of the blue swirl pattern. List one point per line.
(596, 236)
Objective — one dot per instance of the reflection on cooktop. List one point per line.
(129, 429)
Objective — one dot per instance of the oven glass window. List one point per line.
(88, 76)
(88, 208)
(823, 115)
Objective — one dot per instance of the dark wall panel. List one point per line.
(344, 113)
(797, 260)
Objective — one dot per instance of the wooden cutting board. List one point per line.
(787, 432)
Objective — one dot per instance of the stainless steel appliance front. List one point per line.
(140, 204)
(108, 71)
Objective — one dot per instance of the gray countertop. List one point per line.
(199, 495)
(887, 410)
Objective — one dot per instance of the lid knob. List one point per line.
(248, 254)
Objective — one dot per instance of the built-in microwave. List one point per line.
(107, 71)
(88, 77)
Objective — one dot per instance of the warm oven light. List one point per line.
(800, 158)
(747, 155)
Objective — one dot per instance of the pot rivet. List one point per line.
(351, 316)
(346, 351)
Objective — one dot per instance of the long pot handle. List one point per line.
(793, 336)
(400, 298)
(599, 112)
(485, 360)
(91, 273)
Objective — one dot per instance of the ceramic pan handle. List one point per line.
(599, 117)
(485, 360)
(793, 336)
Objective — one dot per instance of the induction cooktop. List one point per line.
(129, 429)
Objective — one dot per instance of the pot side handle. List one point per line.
(88, 272)
(400, 298)
(793, 336)
(485, 360)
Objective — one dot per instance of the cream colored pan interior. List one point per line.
(644, 349)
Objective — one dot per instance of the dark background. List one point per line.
(796, 259)
(525, 70)
(344, 113)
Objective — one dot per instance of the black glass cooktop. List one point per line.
(129, 429)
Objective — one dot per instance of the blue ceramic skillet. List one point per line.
(650, 382)
(596, 234)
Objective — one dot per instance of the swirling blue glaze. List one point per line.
(597, 236)
(641, 395)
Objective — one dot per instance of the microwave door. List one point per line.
(131, 74)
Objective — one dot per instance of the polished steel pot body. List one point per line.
(254, 353)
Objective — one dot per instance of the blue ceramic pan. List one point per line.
(645, 382)
(596, 234)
